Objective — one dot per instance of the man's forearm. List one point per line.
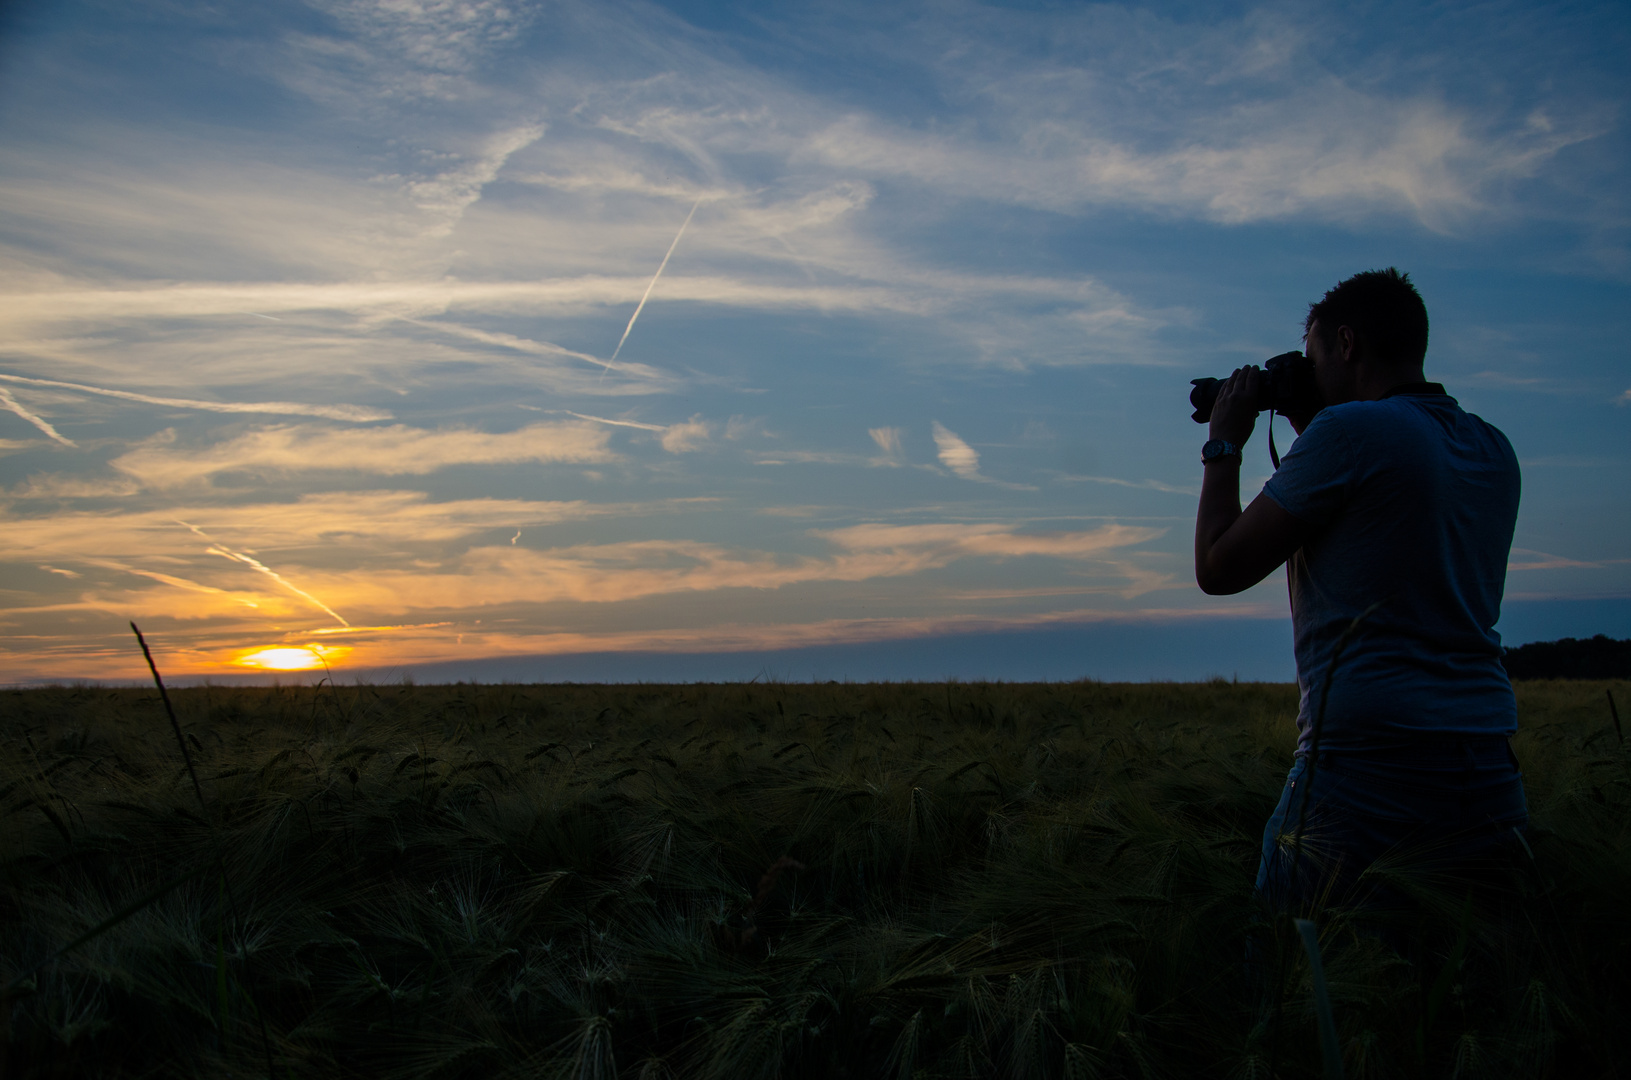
(1234, 548)
(1219, 509)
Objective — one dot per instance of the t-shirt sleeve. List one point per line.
(1315, 479)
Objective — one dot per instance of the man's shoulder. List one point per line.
(1406, 431)
(1357, 420)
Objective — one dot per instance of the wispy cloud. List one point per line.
(955, 454)
(963, 460)
(626, 571)
(888, 440)
(687, 435)
(1116, 481)
(448, 195)
(68, 486)
(389, 451)
(356, 413)
(680, 438)
(1540, 560)
(354, 527)
(990, 540)
(538, 348)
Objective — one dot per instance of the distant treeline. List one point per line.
(1599, 657)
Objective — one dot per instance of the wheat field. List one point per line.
(767, 880)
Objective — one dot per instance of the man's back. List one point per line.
(1410, 501)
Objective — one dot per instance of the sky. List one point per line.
(627, 340)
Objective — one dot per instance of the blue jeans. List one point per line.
(1436, 809)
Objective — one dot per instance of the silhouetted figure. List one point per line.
(1391, 496)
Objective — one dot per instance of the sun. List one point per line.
(291, 658)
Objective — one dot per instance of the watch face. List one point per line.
(1212, 449)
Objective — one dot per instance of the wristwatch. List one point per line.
(1218, 448)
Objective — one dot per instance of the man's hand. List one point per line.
(1234, 415)
(1234, 550)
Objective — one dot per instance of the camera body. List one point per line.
(1288, 388)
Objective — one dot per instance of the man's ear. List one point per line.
(1347, 345)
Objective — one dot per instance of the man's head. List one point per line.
(1385, 313)
(1366, 334)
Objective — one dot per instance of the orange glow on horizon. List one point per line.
(291, 658)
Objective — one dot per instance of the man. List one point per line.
(1391, 496)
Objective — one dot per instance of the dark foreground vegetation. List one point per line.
(1600, 657)
(762, 881)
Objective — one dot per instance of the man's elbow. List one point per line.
(1215, 581)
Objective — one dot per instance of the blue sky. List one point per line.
(308, 317)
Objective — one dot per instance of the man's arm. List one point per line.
(1235, 550)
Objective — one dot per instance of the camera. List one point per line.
(1288, 388)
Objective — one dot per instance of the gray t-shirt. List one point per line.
(1412, 501)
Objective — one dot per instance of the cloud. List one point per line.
(625, 571)
(61, 486)
(413, 49)
(687, 435)
(888, 440)
(357, 413)
(1116, 481)
(957, 455)
(946, 541)
(1540, 560)
(680, 438)
(357, 552)
(1225, 119)
(344, 530)
(389, 451)
(445, 197)
(541, 348)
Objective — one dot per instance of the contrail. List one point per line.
(354, 413)
(653, 284)
(38, 421)
(615, 423)
(217, 548)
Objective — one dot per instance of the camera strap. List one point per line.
(1274, 455)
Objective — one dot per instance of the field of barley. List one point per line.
(771, 880)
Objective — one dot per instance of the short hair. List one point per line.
(1384, 311)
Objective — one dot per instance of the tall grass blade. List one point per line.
(1330, 1048)
(175, 725)
(220, 862)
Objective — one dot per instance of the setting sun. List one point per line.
(302, 658)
